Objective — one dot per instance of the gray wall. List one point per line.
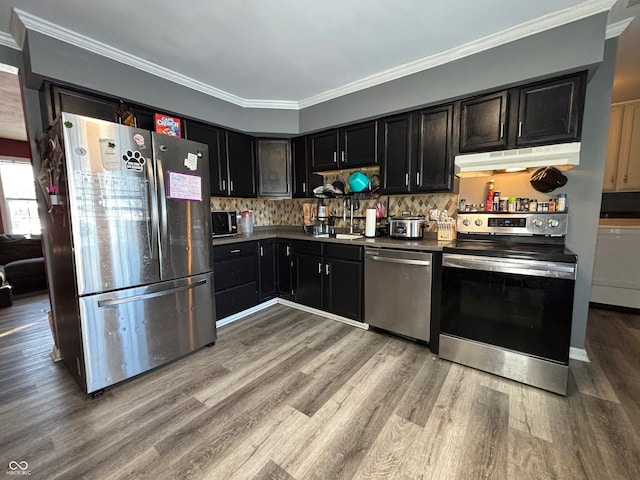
(584, 190)
(565, 48)
(62, 62)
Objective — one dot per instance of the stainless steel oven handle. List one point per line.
(515, 266)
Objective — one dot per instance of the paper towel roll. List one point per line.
(370, 225)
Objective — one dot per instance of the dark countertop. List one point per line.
(428, 243)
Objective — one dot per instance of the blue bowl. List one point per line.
(358, 182)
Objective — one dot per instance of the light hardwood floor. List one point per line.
(289, 395)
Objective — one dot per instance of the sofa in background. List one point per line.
(23, 263)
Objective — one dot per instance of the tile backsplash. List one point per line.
(269, 212)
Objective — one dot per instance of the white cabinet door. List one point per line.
(628, 175)
(613, 148)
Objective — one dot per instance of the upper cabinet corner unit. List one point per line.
(347, 147)
(540, 113)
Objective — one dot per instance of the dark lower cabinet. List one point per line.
(307, 273)
(267, 268)
(284, 269)
(329, 277)
(235, 278)
(343, 280)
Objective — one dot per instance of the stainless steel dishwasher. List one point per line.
(397, 291)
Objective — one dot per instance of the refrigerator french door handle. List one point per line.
(152, 221)
(162, 206)
(147, 296)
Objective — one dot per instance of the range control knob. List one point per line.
(552, 222)
(478, 222)
(537, 222)
(466, 222)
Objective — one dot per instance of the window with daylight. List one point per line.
(17, 189)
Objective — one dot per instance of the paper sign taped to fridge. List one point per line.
(110, 158)
(191, 162)
(184, 186)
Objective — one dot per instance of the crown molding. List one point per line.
(44, 27)
(526, 29)
(7, 40)
(616, 29)
(541, 24)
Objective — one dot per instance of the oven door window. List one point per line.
(527, 314)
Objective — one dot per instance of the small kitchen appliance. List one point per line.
(407, 227)
(224, 223)
(507, 296)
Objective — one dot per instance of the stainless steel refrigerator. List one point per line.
(129, 262)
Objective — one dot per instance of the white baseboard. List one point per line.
(322, 313)
(578, 354)
(288, 303)
(244, 313)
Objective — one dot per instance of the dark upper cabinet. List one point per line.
(241, 164)
(483, 122)
(358, 145)
(434, 160)
(274, 167)
(267, 255)
(550, 111)
(396, 153)
(303, 180)
(59, 99)
(284, 269)
(145, 118)
(215, 139)
(323, 150)
(348, 147)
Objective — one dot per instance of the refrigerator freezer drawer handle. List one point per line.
(146, 296)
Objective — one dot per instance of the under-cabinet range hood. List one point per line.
(562, 156)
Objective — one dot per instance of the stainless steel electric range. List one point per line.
(507, 297)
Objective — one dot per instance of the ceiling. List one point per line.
(291, 53)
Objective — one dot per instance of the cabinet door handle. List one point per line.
(417, 178)
(261, 252)
(231, 185)
(320, 268)
(406, 179)
(288, 250)
(335, 157)
(235, 251)
(519, 129)
(344, 157)
(224, 184)
(304, 187)
(288, 187)
(326, 269)
(625, 178)
(502, 130)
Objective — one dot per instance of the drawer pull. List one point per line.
(235, 251)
